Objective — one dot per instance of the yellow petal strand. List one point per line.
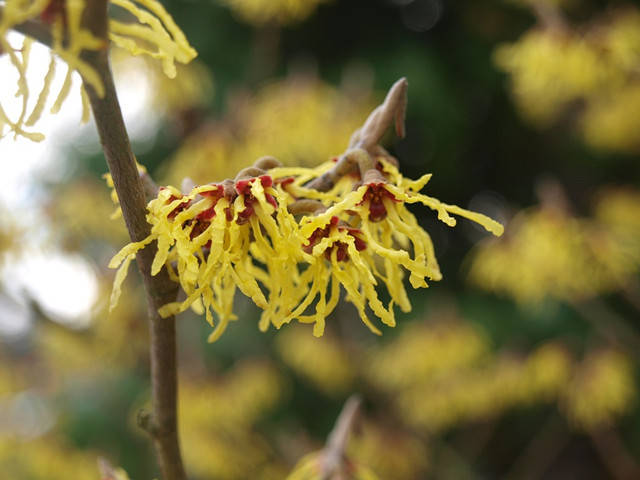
(309, 224)
(36, 113)
(130, 249)
(488, 223)
(121, 274)
(63, 93)
(86, 109)
(157, 35)
(347, 279)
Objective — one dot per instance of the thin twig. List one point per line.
(631, 292)
(614, 454)
(367, 138)
(160, 289)
(333, 454)
(548, 15)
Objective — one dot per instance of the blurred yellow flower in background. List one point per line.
(315, 118)
(549, 70)
(45, 458)
(281, 12)
(589, 72)
(326, 363)
(548, 253)
(423, 351)
(484, 392)
(119, 339)
(311, 467)
(217, 423)
(609, 121)
(388, 452)
(618, 209)
(602, 389)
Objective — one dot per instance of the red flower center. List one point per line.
(340, 247)
(243, 187)
(375, 195)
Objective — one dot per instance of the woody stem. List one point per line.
(159, 288)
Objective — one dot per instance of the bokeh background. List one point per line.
(521, 363)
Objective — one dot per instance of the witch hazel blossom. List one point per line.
(292, 238)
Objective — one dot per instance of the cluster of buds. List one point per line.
(290, 238)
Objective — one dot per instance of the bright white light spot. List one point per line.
(65, 286)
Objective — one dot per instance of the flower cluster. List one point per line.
(290, 244)
(469, 394)
(588, 71)
(58, 23)
(601, 390)
(548, 253)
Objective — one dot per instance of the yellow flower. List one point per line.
(423, 351)
(324, 363)
(480, 393)
(619, 211)
(207, 240)
(311, 467)
(610, 120)
(156, 34)
(601, 390)
(191, 89)
(64, 23)
(241, 235)
(355, 241)
(218, 422)
(46, 457)
(355, 231)
(336, 258)
(550, 69)
(389, 452)
(592, 69)
(260, 12)
(548, 253)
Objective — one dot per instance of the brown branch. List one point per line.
(148, 186)
(160, 289)
(133, 191)
(34, 29)
(367, 138)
